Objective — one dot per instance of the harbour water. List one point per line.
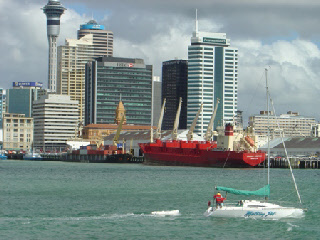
(60, 200)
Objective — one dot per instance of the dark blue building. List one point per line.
(174, 86)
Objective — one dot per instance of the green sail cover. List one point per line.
(265, 191)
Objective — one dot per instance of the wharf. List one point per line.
(45, 156)
(295, 162)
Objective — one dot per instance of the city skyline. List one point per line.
(278, 37)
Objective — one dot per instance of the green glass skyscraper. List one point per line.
(109, 79)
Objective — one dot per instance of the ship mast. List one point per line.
(268, 128)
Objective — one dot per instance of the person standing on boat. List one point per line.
(219, 200)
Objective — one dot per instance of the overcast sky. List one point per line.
(281, 35)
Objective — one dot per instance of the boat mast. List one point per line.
(268, 129)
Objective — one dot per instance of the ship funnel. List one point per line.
(228, 130)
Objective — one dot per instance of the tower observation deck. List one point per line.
(53, 11)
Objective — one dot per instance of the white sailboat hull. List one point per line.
(255, 209)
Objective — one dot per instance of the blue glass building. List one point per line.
(20, 98)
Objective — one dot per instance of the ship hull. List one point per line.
(200, 156)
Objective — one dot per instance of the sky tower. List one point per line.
(53, 11)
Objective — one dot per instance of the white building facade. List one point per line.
(55, 121)
(102, 39)
(72, 59)
(291, 124)
(17, 132)
(212, 74)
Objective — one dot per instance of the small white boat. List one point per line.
(32, 156)
(255, 209)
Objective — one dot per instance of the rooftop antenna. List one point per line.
(196, 20)
(120, 97)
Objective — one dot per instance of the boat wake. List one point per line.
(92, 218)
(166, 213)
(291, 226)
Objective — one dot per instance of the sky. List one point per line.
(281, 36)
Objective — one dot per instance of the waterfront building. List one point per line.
(55, 121)
(174, 87)
(296, 147)
(110, 79)
(2, 97)
(72, 59)
(102, 39)
(95, 133)
(212, 74)
(156, 100)
(316, 130)
(53, 11)
(17, 132)
(20, 98)
(291, 124)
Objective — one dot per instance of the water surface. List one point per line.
(58, 200)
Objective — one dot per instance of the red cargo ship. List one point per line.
(229, 151)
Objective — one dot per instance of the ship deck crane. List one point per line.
(158, 130)
(116, 136)
(209, 132)
(193, 125)
(176, 122)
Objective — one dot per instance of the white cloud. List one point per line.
(293, 79)
(24, 45)
(160, 47)
(163, 33)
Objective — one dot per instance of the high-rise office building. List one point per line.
(212, 74)
(110, 79)
(72, 59)
(238, 119)
(156, 100)
(55, 121)
(53, 11)
(20, 98)
(174, 87)
(102, 39)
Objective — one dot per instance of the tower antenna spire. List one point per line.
(196, 20)
(53, 10)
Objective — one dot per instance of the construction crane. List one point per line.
(158, 130)
(209, 132)
(176, 122)
(193, 125)
(116, 136)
